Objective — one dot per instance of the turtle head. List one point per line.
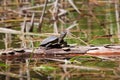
(63, 34)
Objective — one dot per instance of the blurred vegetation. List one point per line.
(94, 23)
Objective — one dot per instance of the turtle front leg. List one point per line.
(64, 44)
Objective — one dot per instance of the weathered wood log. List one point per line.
(22, 54)
(39, 53)
(105, 51)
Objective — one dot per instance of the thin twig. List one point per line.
(42, 16)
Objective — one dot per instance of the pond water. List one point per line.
(72, 69)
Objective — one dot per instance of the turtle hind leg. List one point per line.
(48, 46)
(56, 45)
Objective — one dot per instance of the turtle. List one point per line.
(54, 41)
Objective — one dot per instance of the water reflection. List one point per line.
(39, 69)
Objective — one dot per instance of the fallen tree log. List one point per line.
(39, 53)
(105, 51)
(108, 51)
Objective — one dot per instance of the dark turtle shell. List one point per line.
(49, 40)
